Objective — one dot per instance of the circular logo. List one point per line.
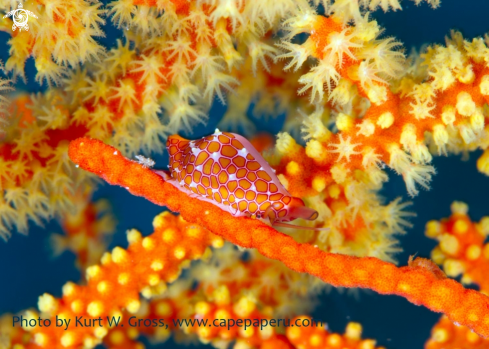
(20, 18)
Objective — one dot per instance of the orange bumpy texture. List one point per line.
(419, 285)
(314, 337)
(229, 289)
(462, 248)
(461, 251)
(447, 335)
(145, 267)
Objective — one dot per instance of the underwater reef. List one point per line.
(269, 137)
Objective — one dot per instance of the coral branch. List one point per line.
(462, 249)
(146, 266)
(417, 284)
(448, 335)
(314, 337)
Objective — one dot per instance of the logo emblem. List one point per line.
(20, 18)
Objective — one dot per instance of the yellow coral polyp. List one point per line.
(441, 138)
(408, 136)
(123, 278)
(473, 252)
(244, 307)
(163, 308)
(117, 337)
(102, 287)
(465, 105)
(286, 144)
(453, 268)
(459, 208)
(91, 272)
(319, 184)
(366, 128)
(385, 120)
(106, 258)
(377, 94)
(484, 85)
(68, 339)
(100, 332)
(95, 308)
(483, 163)
(77, 306)
(448, 115)
(169, 235)
(47, 303)
(477, 120)
(202, 308)
(41, 339)
(439, 335)
(222, 295)
(344, 122)
(354, 330)
(179, 252)
(133, 306)
(460, 226)
(433, 229)
(148, 243)
(339, 173)
(293, 168)
(157, 265)
(119, 255)
(316, 150)
(133, 236)
(153, 279)
(449, 244)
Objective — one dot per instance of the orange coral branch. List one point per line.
(417, 284)
(447, 335)
(319, 337)
(462, 249)
(146, 266)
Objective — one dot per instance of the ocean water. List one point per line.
(27, 268)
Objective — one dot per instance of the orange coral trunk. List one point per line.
(417, 284)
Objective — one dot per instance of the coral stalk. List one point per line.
(144, 267)
(448, 335)
(418, 284)
(462, 248)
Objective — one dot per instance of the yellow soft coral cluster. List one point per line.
(439, 107)
(359, 105)
(61, 36)
(37, 179)
(160, 79)
(360, 223)
(186, 53)
(4, 102)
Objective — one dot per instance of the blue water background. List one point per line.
(27, 269)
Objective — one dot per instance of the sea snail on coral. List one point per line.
(226, 170)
